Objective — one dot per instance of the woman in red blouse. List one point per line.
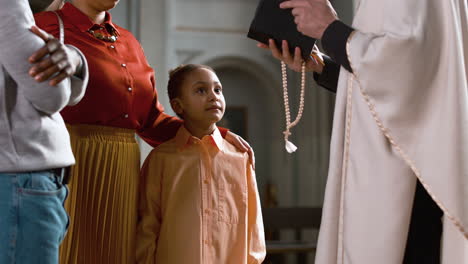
(121, 99)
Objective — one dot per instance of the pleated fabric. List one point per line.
(103, 196)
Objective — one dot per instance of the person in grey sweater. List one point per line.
(34, 142)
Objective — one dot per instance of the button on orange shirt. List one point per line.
(199, 204)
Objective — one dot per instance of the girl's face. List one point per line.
(201, 99)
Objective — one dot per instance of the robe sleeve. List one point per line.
(396, 68)
(412, 73)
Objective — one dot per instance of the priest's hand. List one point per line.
(311, 16)
(294, 62)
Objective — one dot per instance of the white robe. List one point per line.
(402, 115)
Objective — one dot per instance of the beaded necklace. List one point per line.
(290, 147)
(112, 38)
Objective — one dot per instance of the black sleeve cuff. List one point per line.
(334, 41)
(329, 76)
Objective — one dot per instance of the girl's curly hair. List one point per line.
(177, 77)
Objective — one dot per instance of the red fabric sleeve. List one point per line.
(160, 126)
(48, 22)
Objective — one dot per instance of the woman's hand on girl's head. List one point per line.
(241, 145)
(61, 63)
(294, 62)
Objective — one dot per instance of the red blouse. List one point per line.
(121, 90)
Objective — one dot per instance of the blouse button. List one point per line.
(124, 65)
(129, 89)
(126, 115)
(112, 46)
(206, 181)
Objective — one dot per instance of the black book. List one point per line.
(272, 22)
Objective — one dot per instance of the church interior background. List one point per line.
(213, 32)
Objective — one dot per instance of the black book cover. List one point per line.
(271, 21)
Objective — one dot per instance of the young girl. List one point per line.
(121, 99)
(199, 200)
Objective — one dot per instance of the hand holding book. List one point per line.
(294, 61)
(275, 27)
(272, 22)
(312, 17)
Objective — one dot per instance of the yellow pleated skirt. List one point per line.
(102, 203)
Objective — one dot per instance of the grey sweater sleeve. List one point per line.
(17, 44)
(79, 82)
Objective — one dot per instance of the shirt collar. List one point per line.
(184, 139)
(82, 21)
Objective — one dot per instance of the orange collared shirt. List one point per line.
(199, 204)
